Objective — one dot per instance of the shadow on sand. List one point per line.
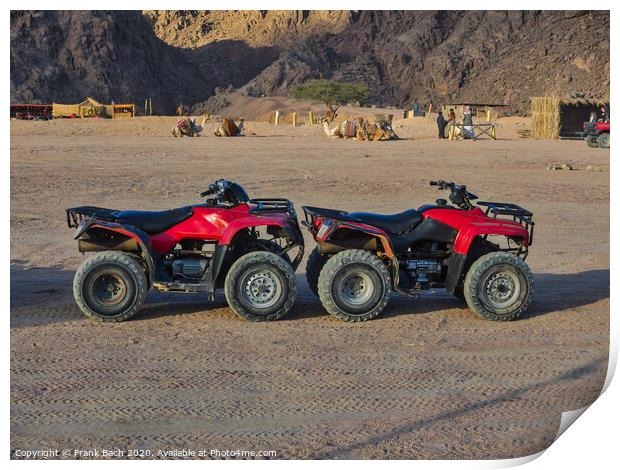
(35, 290)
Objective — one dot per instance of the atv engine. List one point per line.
(423, 270)
(189, 268)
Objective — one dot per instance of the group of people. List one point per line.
(468, 122)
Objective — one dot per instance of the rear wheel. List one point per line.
(354, 285)
(592, 140)
(260, 286)
(499, 286)
(110, 286)
(603, 140)
(315, 264)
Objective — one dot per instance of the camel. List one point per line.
(186, 128)
(347, 129)
(362, 129)
(334, 133)
(228, 128)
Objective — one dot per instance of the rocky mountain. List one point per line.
(186, 56)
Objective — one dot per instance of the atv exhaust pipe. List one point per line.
(122, 245)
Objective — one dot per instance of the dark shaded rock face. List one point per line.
(66, 56)
(174, 57)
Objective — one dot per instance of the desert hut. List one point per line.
(123, 110)
(554, 117)
(92, 108)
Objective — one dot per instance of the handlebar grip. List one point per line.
(212, 189)
(434, 183)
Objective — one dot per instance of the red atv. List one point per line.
(229, 241)
(475, 254)
(596, 134)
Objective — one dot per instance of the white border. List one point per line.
(591, 443)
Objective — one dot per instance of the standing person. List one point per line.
(451, 115)
(416, 108)
(441, 124)
(468, 122)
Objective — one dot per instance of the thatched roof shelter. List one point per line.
(554, 117)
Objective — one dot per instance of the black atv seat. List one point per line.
(154, 221)
(393, 223)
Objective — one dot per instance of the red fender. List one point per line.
(473, 223)
(506, 228)
(242, 223)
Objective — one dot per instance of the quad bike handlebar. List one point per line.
(459, 195)
(216, 188)
(225, 192)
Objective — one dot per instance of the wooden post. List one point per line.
(453, 132)
(430, 108)
(151, 106)
(488, 115)
(277, 119)
(294, 119)
(493, 132)
(310, 116)
(146, 104)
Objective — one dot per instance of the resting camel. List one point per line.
(186, 128)
(362, 129)
(228, 128)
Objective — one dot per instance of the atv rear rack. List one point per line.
(270, 205)
(516, 213)
(76, 214)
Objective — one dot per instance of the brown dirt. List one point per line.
(427, 379)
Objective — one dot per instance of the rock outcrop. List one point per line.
(183, 56)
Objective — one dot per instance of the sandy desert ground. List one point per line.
(427, 379)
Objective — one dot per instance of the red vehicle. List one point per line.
(476, 253)
(596, 134)
(229, 241)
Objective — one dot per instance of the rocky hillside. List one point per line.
(187, 56)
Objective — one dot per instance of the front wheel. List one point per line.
(354, 285)
(603, 140)
(110, 286)
(499, 286)
(260, 286)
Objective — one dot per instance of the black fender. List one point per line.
(141, 239)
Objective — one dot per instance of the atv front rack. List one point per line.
(270, 205)
(516, 213)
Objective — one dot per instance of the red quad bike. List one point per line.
(475, 254)
(596, 134)
(229, 241)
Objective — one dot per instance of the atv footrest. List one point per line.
(180, 287)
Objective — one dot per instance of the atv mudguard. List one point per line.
(130, 231)
(250, 222)
(276, 221)
(371, 231)
(506, 228)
